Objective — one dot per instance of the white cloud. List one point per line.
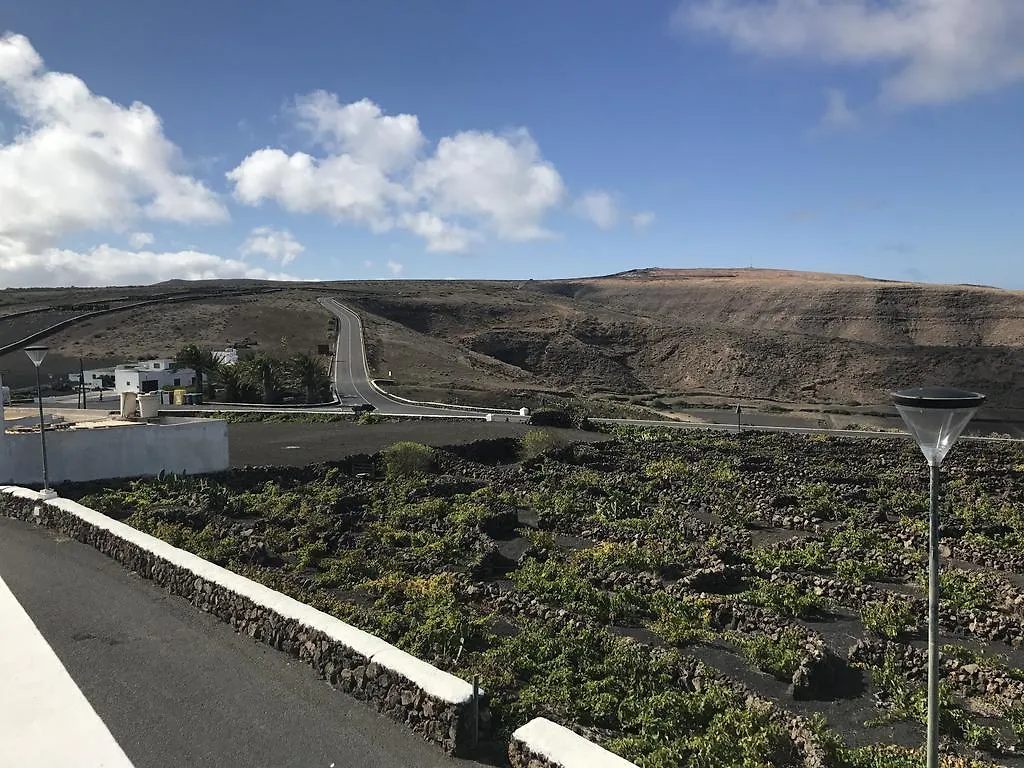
(600, 207)
(106, 265)
(361, 129)
(395, 268)
(441, 236)
(83, 162)
(501, 181)
(276, 245)
(838, 114)
(376, 172)
(339, 185)
(642, 220)
(80, 162)
(938, 50)
(140, 240)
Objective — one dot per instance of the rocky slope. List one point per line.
(746, 333)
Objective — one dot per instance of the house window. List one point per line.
(177, 382)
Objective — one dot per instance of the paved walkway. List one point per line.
(101, 668)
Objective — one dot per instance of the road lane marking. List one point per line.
(45, 720)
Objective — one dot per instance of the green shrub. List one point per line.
(682, 621)
(786, 598)
(966, 590)
(858, 571)
(427, 615)
(892, 618)
(540, 540)
(562, 585)
(778, 654)
(407, 459)
(551, 417)
(538, 441)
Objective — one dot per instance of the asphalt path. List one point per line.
(174, 686)
(351, 374)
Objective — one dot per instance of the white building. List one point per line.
(151, 376)
(93, 377)
(227, 356)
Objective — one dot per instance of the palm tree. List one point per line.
(231, 379)
(199, 360)
(310, 373)
(209, 364)
(262, 373)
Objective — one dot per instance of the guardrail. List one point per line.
(725, 427)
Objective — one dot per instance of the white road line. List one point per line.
(45, 720)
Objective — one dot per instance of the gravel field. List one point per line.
(300, 444)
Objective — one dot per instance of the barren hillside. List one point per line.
(741, 333)
(790, 336)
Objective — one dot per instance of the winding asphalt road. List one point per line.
(172, 686)
(351, 375)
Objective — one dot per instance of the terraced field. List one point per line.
(682, 598)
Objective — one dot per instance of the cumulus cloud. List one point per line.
(106, 265)
(79, 162)
(441, 236)
(937, 51)
(341, 186)
(501, 181)
(273, 244)
(600, 207)
(376, 170)
(361, 130)
(642, 220)
(395, 268)
(141, 239)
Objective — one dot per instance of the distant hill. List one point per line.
(783, 335)
(742, 333)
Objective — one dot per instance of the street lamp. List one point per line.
(36, 355)
(935, 417)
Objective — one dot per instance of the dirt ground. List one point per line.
(742, 335)
(295, 445)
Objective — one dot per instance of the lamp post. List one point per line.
(36, 355)
(935, 417)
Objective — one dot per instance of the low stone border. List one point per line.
(544, 744)
(431, 702)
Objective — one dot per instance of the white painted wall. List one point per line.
(93, 377)
(185, 445)
(130, 379)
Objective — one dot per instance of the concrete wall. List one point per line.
(192, 446)
(130, 379)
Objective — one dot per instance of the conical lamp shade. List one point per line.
(936, 416)
(935, 429)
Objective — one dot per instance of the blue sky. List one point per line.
(575, 139)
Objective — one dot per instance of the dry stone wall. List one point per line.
(429, 701)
